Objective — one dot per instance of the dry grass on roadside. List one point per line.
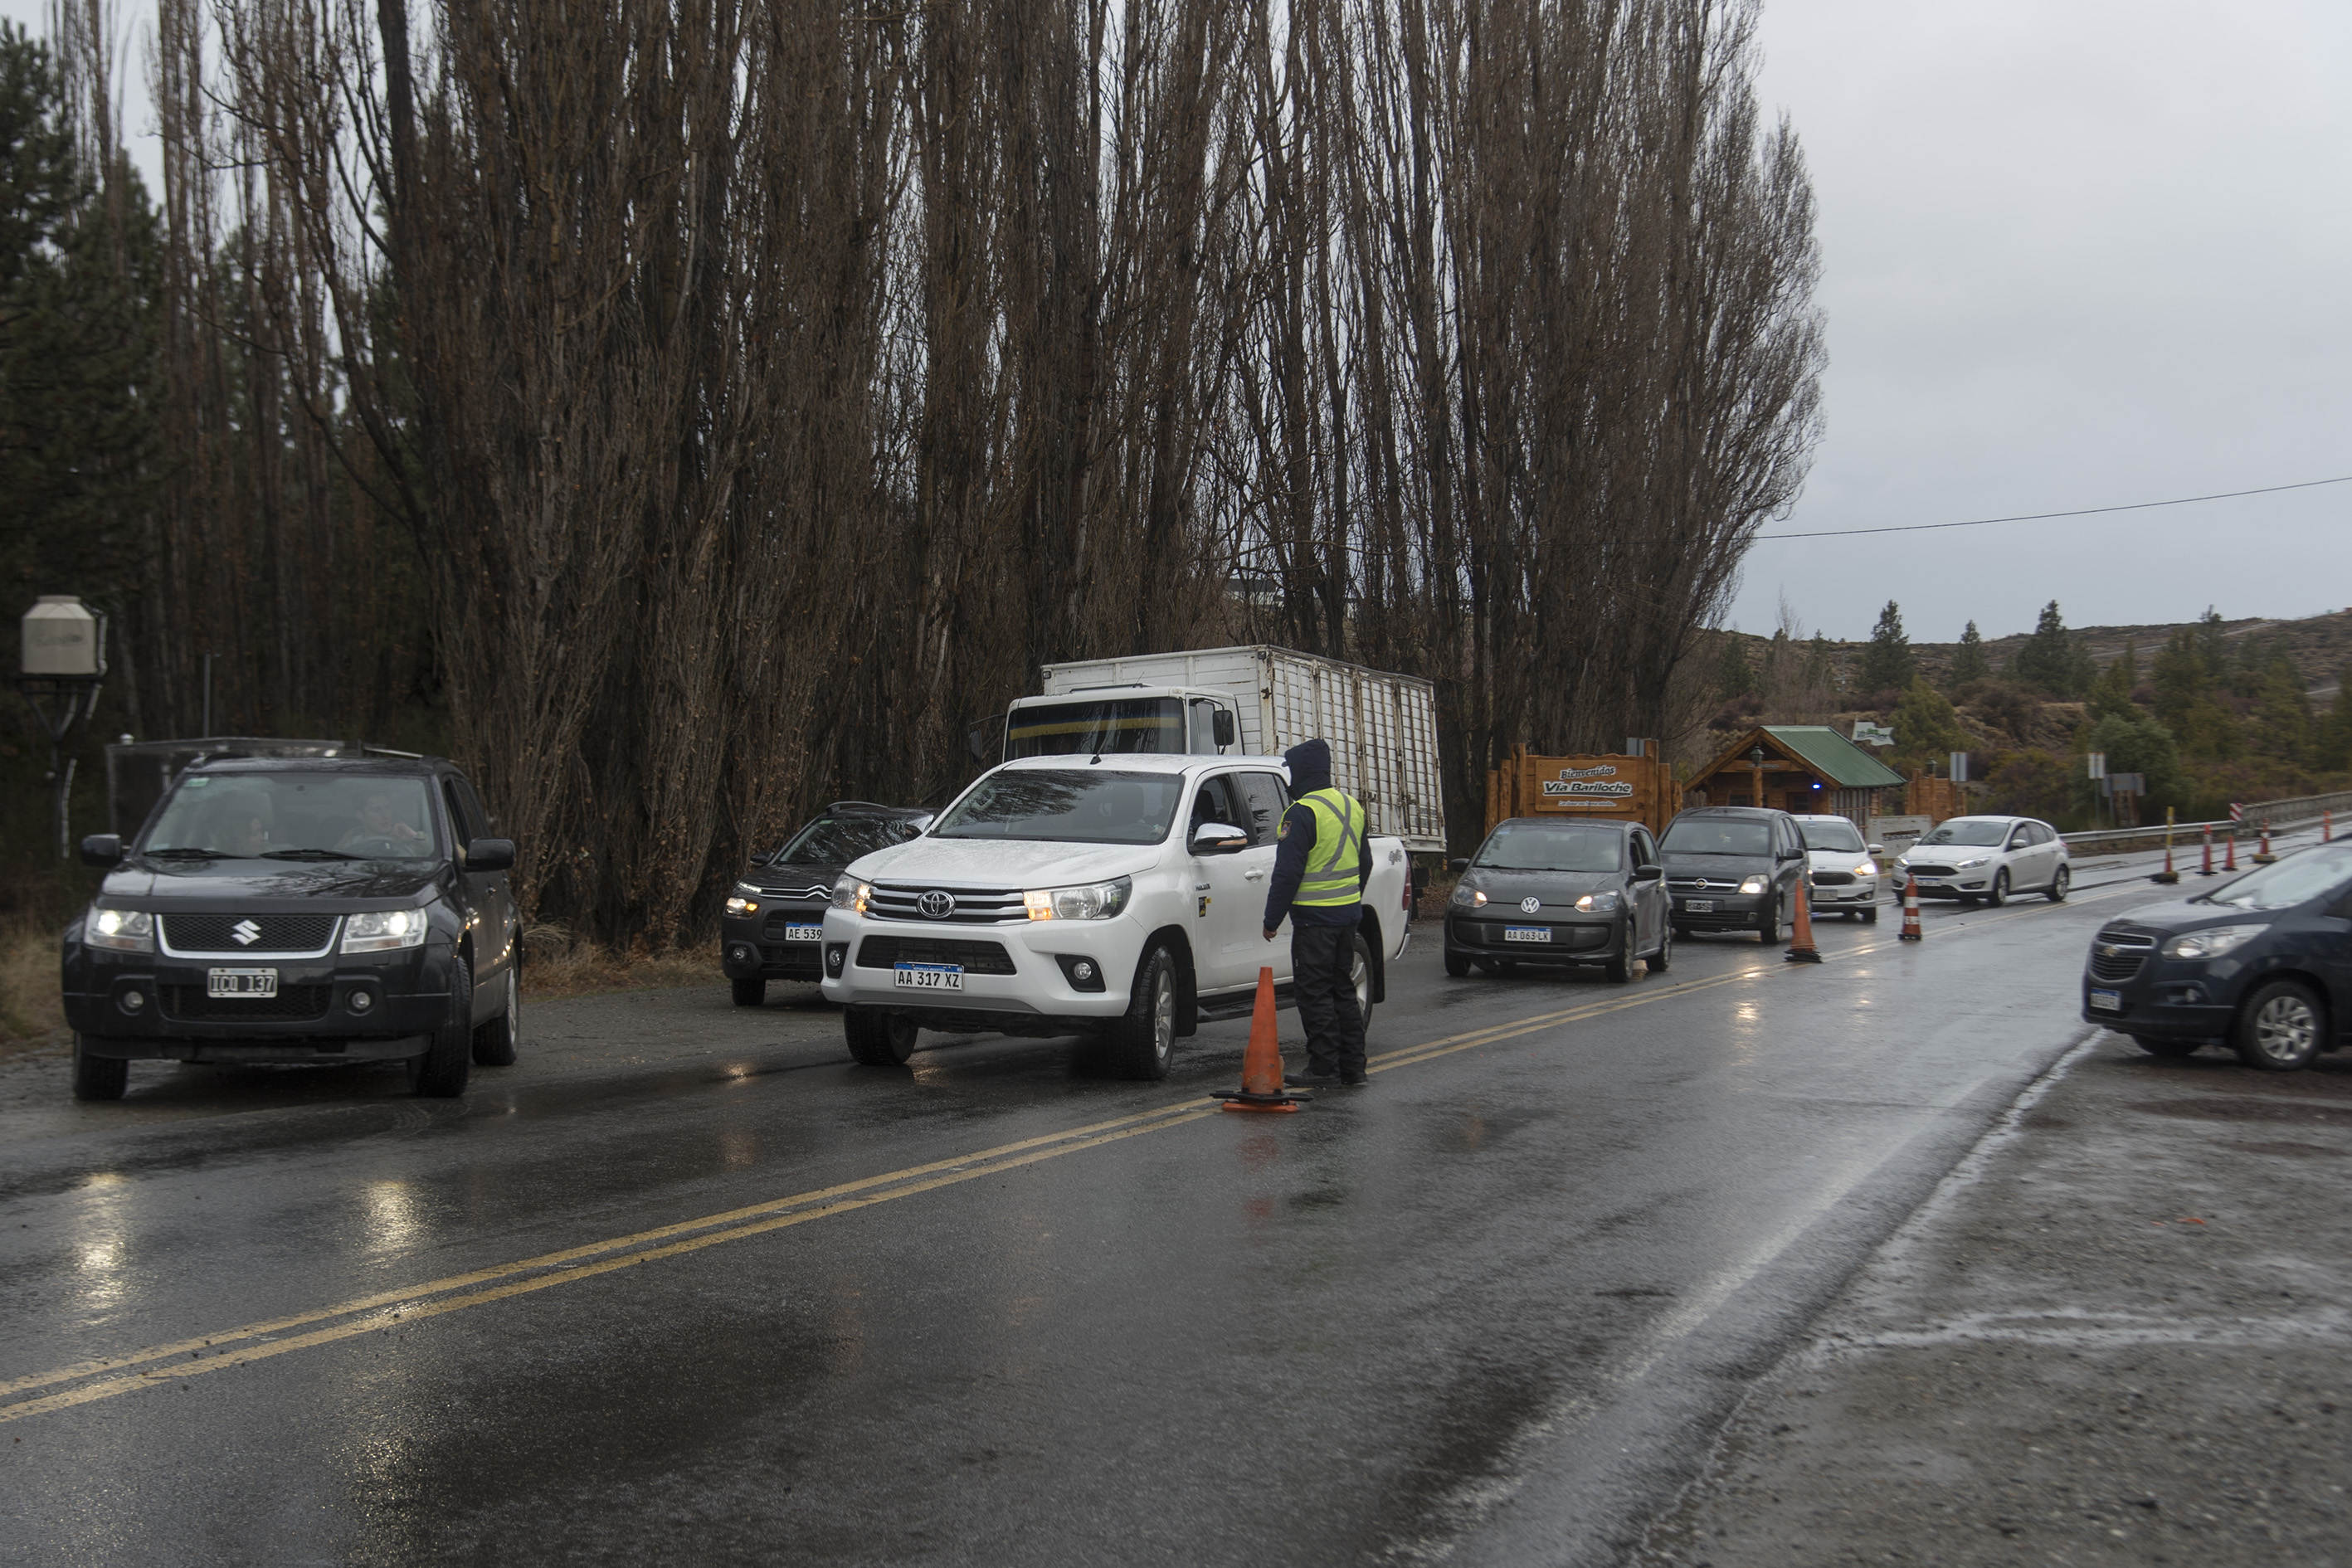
(31, 1012)
(558, 963)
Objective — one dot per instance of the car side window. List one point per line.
(1643, 853)
(2022, 837)
(1265, 800)
(2041, 833)
(482, 820)
(1212, 802)
(460, 824)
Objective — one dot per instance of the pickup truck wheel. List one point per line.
(97, 1077)
(441, 1072)
(1143, 1041)
(877, 1039)
(495, 1042)
(1359, 976)
(1456, 964)
(751, 992)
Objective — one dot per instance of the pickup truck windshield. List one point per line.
(294, 817)
(1093, 805)
(1095, 727)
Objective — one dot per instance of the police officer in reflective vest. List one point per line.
(1319, 873)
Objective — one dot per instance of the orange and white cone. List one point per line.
(1801, 932)
(1261, 1087)
(1911, 931)
(2263, 856)
(2209, 851)
(2229, 851)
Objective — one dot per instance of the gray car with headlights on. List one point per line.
(300, 910)
(1554, 890)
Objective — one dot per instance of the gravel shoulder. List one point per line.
(2118, 1334)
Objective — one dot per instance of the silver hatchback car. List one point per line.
(1986, 859)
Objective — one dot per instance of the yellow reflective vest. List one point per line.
(1335, 865)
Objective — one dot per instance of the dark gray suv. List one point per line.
(1733, 867)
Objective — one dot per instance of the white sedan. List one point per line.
(1986, 859)
(1843, 874)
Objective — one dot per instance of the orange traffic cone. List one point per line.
(2209, 851)
(1801, 935)
(1261, 1087)
(1911, 931)
(2168, 874)
(2229, 851)
(2263, 856)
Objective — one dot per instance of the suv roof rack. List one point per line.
(387, 751)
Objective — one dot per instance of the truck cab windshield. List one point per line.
(1097, 726)
(1093, 805)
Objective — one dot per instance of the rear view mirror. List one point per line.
(1648, 873)
(1878, 849)
(1220, 725)
(1460, 863)
(915, 826)
(489, 855)
(1219, 839)
(101, 849)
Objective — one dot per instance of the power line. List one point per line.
(2045, 516)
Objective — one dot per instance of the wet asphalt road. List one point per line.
(688, 1284)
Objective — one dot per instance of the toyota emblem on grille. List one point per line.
(1529, 905)
(936, 905)
(245, 931)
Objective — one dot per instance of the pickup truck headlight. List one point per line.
(853, 895)
(2212, 944)
(1596, 903)
(1755, 884)
(383, 930)
(743, 900)
(125, 930)
(1092, 902)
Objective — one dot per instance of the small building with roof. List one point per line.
(1803, 768)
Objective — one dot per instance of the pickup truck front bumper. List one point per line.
(1072, 973)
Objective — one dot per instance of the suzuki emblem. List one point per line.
(245, 931)
(1529, 905)
(936, 905)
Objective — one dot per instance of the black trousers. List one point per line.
(1321, 959)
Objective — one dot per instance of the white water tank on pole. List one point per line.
(61, 638)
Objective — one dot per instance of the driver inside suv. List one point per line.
(380, 828)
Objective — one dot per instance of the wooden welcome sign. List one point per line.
(1637, 789)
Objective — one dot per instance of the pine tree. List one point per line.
(2051, 659)
(2111, 694)
(1927, 730)
(1886, 663)
(1970, 663)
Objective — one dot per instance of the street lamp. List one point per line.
(63, 664)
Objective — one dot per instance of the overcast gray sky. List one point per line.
(2074, 253)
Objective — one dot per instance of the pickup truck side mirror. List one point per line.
(1648, 873)
(101, 849)
(915, 826)
(1459, 863)
(1219, 839)
(489, 855)
(1221, 726)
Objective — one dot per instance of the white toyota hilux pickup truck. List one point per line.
(1119, 897)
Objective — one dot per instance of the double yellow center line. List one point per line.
(86, 1381)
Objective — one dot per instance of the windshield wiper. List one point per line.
(309, 855)
(181, 852)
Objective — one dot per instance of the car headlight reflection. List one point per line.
(1596, 903)
(853, 895)
(1755, 884)
(383, 930)
(1089, 901)
(2212, 944)
(125, 930)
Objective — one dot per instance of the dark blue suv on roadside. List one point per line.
(2261, 964)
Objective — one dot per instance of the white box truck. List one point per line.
(1252, 701)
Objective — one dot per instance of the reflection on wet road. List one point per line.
(688, 1282)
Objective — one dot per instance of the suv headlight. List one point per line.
(2212, 944)
(1092, 902)
(1596, 903)
(1755, 884)
(853, 895)
(743, 900)
(383, 930)
(125, 930)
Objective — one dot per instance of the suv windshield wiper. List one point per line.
(308, 854)
(181, 852)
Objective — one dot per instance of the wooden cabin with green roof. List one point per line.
(1809, 768)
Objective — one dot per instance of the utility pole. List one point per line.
(63, 665)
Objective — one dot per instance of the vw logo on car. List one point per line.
(936, 905)
(1528, 906)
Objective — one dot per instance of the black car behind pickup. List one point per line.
(774, 923)
(300, 910)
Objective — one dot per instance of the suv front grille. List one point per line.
(270, 933)
(977, 957)
(293, 1003)
(973, 906)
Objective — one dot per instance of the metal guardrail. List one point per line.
(2142, 837)
(2281, 814)
(2297, 808)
